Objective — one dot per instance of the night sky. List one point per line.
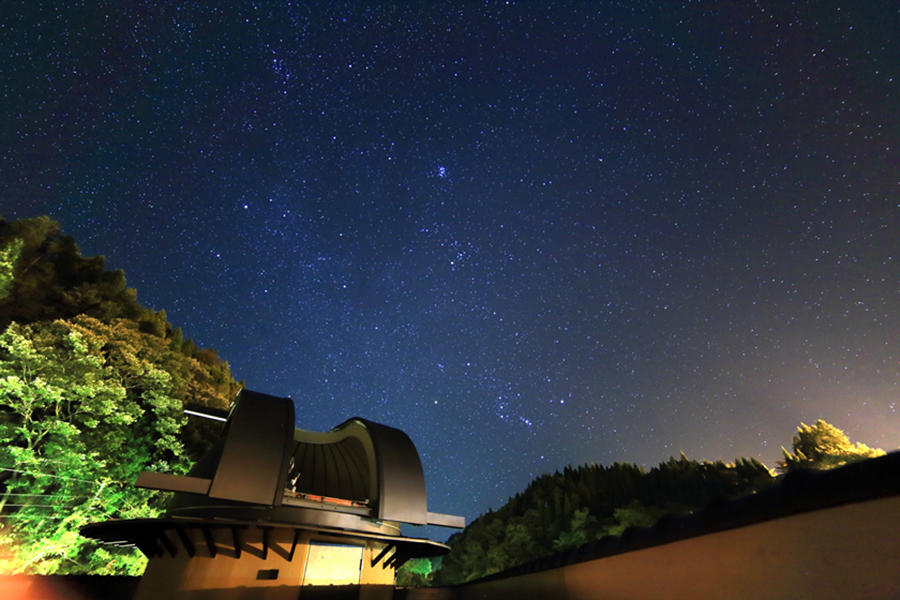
(527, 235)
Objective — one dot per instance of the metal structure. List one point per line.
(267, 491)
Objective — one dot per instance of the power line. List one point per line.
(36, 474)
(37, 506)
(50, 495)
(48, 475)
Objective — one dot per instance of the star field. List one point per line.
(528, 236)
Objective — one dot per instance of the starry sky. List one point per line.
(527, 234)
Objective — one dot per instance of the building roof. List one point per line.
(359, 467)
(361, 477)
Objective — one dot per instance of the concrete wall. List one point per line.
(275, 577)
(850, 551)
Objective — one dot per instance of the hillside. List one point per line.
(92, 390)
(565, 510)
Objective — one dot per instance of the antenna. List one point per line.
(214, 414)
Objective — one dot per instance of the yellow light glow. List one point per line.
(333, 564)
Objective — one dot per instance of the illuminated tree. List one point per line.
(77, 428)
(582, 529)
(635, 514)
(92, 390)
(9, 254)
(823, 446)
(415, 572)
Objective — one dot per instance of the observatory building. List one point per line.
(276, 512)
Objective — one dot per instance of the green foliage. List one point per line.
(823, 446)
(77, 425)
(92, 389)
(582, 529)
(51, 280)
(636, 514)
(569, 509)
(415, 572)
(9, 255)
(566, 510)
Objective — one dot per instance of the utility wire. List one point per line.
(50, 495)
(38, 506)
(61, 477)
(48, 475)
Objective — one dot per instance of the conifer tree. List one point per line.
(565, 510)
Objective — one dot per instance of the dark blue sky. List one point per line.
(529, 236)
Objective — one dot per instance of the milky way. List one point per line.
(527, 236)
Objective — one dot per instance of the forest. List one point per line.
(92, 391)
(564, 510)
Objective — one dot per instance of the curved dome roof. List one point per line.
(364, 462)
(359, 468)
(333, 465)
(359, 479)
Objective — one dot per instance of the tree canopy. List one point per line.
(92, 390)
(824, 446)
(569, 509)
